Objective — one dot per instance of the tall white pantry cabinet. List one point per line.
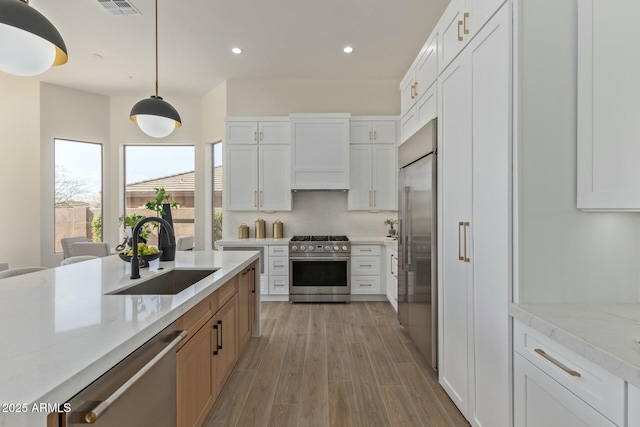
(474, 98)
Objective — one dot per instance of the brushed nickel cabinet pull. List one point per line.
(460, 23)
(415, 89)
(261, 136)
(374, 198)
(460, 257)
(466, 15)
(261, 198)
(375, 134)
(466, 259)
(255, 136)
(569, 371)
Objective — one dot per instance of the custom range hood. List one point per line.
(320, 151)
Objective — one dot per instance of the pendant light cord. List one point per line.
(156, 48)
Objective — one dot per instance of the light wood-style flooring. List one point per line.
(346, 365)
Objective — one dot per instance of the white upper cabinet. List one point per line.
(257, 164)
(460, 22)
(608, 108)
(320, 151)
(373, 164)
(417, 87)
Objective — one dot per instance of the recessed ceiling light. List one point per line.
(348, 49)
(236, 50)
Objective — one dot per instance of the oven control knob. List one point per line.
(344, 248)
(294, 248)
(302, 248)
(310, 247)
(327, 248)
(336, 248)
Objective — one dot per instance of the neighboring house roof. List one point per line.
(180, 182)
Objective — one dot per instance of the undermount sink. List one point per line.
(170, 283)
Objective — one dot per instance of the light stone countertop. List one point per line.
(60, 331)
(602, 333)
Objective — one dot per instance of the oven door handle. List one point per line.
(329, 258)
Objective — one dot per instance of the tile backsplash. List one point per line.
(314, 212)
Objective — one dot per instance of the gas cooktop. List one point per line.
(319, 239)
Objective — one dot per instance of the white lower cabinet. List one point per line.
(554, 386)
(366, 270)
(278, 285)
(279, 270)
(539, 401)
(392, 276)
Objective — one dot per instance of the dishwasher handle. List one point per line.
(90, 417)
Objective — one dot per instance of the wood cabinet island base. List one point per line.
(218, 329)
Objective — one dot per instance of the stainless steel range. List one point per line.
(319, 269)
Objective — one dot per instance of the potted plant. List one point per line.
(128, 222)
(391, 222)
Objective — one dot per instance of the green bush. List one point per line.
(96, 228)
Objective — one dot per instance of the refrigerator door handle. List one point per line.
(460, 225)
(466, 259)
(407, 227)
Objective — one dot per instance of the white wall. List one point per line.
(74, 115)
(279, 97)
(20, 171)
(126, 132)
(565, 255)
(214, 110)
(319, 212)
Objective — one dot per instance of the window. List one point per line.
(160, 166)
(78, 190)
(217, 193)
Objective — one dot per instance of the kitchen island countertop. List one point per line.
(603, 333)
(61, 330)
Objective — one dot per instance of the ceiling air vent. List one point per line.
(119, 7)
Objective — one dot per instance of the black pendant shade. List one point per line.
(18, 14)
(155, 106)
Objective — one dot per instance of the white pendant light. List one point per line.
(29, 43)
(155, 116)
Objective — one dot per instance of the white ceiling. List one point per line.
(280, 38)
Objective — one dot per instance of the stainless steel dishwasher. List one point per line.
(138, 391)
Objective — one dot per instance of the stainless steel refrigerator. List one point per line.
(417, 263)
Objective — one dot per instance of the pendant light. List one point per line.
(29, 43)
(155, 116)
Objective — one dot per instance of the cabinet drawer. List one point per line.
(365, 250)
(281, 250)
(365, 285)
(365, 265)
(193, 319)
(226, 292)
(279, 266)
(596, 386)
(278, 285)
(539, 401)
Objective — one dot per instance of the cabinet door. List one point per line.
(633, 406)
(274, 132)
(360, 193)
(384, 132)
(489, 53)
(451, 28)
(427, 68)
(539, 401)
(608, 108)
(241, 173)
(360, 132)
(385, 177)
(226, 335)
(408, 124)
(242, 133)
(196, 390)
(275, 175)
(279, 285)
(427, 106)
(455, 162)
(479, 13)
(407, 98)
